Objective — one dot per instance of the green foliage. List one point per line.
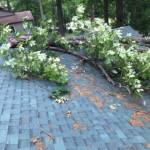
(70, 31)
(134, 66)
(137, 15)
(57, 93)
(3, 33)
(33, 5)
(55, 73)
(104, 43)
(31, 61)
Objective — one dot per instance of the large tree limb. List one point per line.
(99, 66)
(84, 58)
(76, 40)
(141, 40)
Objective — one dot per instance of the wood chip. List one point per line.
(77, 126)
(26, 117)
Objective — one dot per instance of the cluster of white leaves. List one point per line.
(63, 41)
(75, 18)
(31, 61)
(80, 9)
(25, 25)
(49, 21)
(4, 48)
(4, 30)
(7, 30)
(26, 18)
(41, 31)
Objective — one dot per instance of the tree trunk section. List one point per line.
(41, 9)
(54, 16)
(8, 5)
(106, 11)
(60, 16)
(133, 11)
(76, 40)
(92, 13)
(65, 27)
(27, 6)
(119, 12)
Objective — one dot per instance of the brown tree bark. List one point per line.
(8, 5)
(54, 15)
(119, 12)
(92, 13)
(27, 6)
(41, 9)
(76, 40)
(60, 16)
(106, 11)
(133, 12)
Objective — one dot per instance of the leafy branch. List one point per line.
(57, 93)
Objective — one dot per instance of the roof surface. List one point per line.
(16, 18)
(93, 125)
(7, 12)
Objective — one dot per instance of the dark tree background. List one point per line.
(116, 13)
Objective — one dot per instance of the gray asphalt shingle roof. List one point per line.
(104, 128)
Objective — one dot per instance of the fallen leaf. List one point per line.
(38, 145)
(77, 126)
(111, 94)
(148, 145)
(98, 104)
(26, 118)
(34, 140)
(107, 98)
(128, 105)
(111, 129)
(72, 95)
(50, 125)
(112, 107)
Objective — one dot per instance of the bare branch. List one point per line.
(52, 137)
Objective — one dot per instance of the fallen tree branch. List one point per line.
(77, 39)
(99, 66)
(40, 85)
(142, 49)
(139, 88)
(141, 40)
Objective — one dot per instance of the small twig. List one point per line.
(41, 86)
(52, 137)
(120, 86)
(37, 113)
(46, 132)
